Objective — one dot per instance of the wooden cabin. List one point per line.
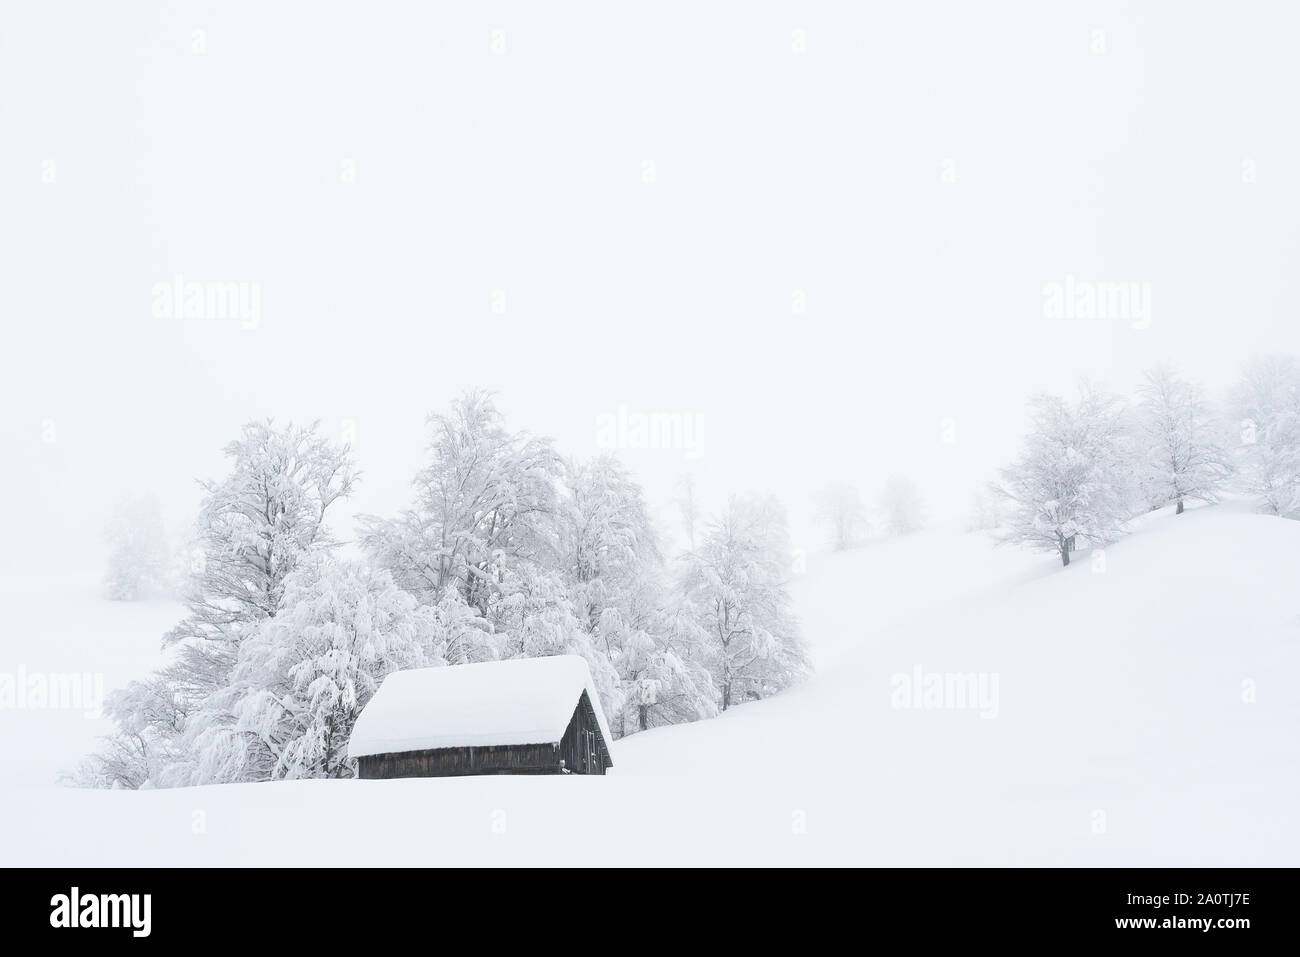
(523, 716)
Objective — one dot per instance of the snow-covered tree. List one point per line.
(841, 512)
(150, 717)
(607, 534)
(487, 496)
(255, 527)
(688, 507)
(1266, 404)
(535, 614)
(469, 636)
(304, 675)
(550, 558)
(139, 560)
(618, 592)
(507, 552)
(1180, 452)
(664, 673)
(901, 506)
(985, 511)
(1072, 478)
(738, 606)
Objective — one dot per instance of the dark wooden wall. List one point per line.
(578, 758)
(572, 749)
(451, 762)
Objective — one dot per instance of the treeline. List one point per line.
(849, 523)
(1089, 466)
(507, 550)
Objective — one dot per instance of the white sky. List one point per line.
(524, 172)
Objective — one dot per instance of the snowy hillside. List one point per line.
(62, 624)
(1138, 708)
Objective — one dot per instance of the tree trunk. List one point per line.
(1065, 551)
(1179, 509)
(641, 718)
(726, 696)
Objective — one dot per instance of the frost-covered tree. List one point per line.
(535, 615)
(255, 527)
(901, 506)
(607, 534)
(506, 552)
(738, 606)
(139, 560)
(487, 497)
(688, 507)
(1180, 452)
(150, 717)
(1266, 404)
(841, 512)
(549, 558)
(663, 668)
(985, 511)
(1072, 478)
(618, 593)
(304, 675)
(469, 636)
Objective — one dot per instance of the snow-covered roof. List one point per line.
(520, 701)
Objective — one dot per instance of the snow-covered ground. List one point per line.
(1145, 713)
(60, 624)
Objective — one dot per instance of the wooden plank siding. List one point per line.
(571, 753)
(453, 762)
(577, 757)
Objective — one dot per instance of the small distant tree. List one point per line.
(139, 560)
(840, 510)
(688, 507)
(901, 506)
(1180, 453)
(1266, 403)
(985, 511)
(1071, 479)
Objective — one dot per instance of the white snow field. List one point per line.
(1147, 713)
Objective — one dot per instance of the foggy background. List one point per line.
(583, 206)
